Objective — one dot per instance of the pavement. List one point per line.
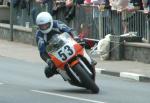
(123, 68)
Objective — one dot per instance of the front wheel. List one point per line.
(85, 78)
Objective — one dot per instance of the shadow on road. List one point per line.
(77, 91)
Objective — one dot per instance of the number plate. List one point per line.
(65, 53)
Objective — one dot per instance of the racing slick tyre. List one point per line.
(86, 80)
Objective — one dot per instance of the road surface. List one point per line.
(24, 82)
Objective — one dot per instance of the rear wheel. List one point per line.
(85, 78)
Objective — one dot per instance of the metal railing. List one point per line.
(132, 22)
(100, 23)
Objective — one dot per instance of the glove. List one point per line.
(50, 63)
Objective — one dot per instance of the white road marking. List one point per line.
(66, 96)
(1, 83)
(98, 70)
(130, 75)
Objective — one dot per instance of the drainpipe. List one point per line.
(11, 20)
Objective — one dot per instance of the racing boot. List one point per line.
(49, 72)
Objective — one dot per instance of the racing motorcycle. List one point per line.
(72, 61)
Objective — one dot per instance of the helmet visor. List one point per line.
(45, 26)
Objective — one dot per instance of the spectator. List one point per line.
(18, 3)
(58, 4)
(98, 2)
(70, 8)
(113, 4)
(105, 14)
(138, 5)
(87, 2)
(145, 3)
(146, 6)
(119, 5)
(102, 4)
(116, 5)
(41, 5)
(123, 6)
(133, 21)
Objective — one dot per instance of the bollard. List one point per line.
(116, 48)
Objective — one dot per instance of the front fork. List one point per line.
(85, 67)
(87, 57)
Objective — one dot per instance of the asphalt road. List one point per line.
(24, 82)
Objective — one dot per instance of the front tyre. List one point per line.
(85, 79)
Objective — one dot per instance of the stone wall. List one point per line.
(20, 34)
(129, 48)
(137, 52)
(4, 13)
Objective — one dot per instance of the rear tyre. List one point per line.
(85, 79)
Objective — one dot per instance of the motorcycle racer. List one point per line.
(47, 27)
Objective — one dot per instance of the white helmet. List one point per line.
(45, 22)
